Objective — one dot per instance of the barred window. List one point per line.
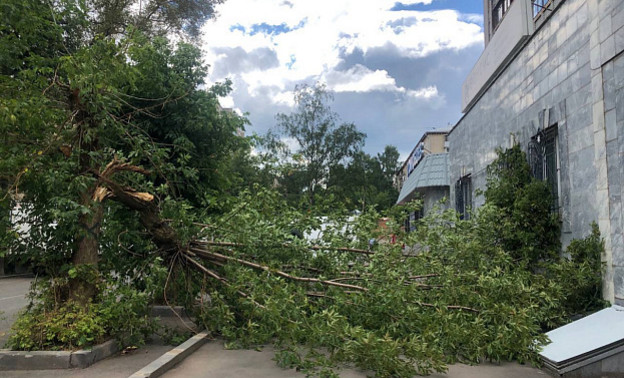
(544, 161)
(540, 6)
(411, 223)
(463, 197)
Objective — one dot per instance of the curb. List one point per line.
(19, 275)
(168, 360)
(44, 360)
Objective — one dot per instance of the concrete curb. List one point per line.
(18, 275)
(171, 358)
(44, 360)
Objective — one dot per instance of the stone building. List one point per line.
(551, 78)
(424, 175)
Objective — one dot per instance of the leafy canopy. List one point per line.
(322, 143)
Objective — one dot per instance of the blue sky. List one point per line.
(396, 68)
(462, 6)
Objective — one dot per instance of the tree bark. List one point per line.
(85, 257)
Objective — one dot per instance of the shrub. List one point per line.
(120, 312)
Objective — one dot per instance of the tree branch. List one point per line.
(204, 254)
(289, 245)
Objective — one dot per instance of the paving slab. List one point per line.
(212, 360)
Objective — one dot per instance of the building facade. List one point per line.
(551, 79)
(425, 175)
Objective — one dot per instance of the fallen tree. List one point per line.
(395, 311)
(398, 311)
(116, 153)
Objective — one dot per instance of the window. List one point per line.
(544, 161)
(412, 221)
(539, 6)
(463, 197)
(499, 8)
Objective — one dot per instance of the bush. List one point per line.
(582, 274)
(121, 313)
(525, 225)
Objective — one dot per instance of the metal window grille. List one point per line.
(544, 163)
(539, 6)
(411, 223)
(463, 197)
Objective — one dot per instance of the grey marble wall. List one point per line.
(435, 197)
(570, 73)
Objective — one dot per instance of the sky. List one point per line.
(396, 68)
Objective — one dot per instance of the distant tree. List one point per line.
(366, 181)
(323, 142)
(389, 160)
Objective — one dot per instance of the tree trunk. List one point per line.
(85, 257)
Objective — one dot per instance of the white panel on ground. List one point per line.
(585, 340)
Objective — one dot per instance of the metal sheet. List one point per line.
(431, 171)
(593, 332)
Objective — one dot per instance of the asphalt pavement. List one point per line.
(13, 293)
(212, 360)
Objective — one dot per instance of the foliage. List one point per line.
(322, 143)
(581, 274)
(122, 160)
(401, 312)
(366, 181)
(89, 102)
(525, 226)
(453, 290)
(48, 323)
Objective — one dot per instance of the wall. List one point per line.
(569, 73)
(433, 196)
(434, 143)
(513, 30)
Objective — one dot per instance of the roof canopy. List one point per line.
(431, 171)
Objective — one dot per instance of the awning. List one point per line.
(431, 171)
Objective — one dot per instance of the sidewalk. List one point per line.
(116, 366)
(212, 360)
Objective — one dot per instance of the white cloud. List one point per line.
(361, 79)
(284, 98)
(226, 102)
(395, 73)
(425, 93)
(308, 38)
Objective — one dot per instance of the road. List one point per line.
(13, 293)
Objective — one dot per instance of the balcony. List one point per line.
(505, 37)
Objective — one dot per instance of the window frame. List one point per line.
(542, 5)
(543, 147)
(463, 196)
(504, 6)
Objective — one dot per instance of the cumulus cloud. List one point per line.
(268, 46)
(233, 60)
(362, 79)
(303, 39)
